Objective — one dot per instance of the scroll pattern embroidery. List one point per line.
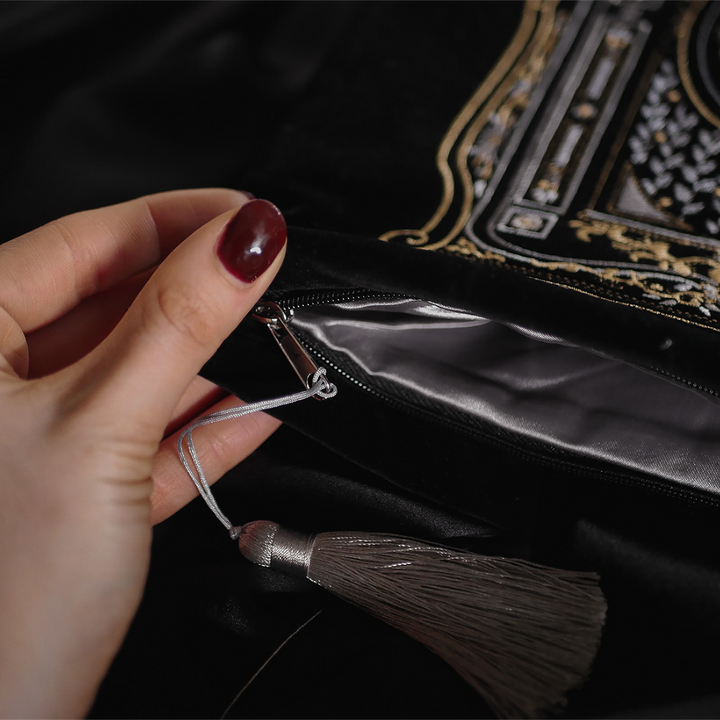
(647, 234)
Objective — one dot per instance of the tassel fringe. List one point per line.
(521, 634)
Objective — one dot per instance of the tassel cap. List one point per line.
(266, 543)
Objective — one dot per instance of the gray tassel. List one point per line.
(521, 634)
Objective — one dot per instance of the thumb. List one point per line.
(191, 303)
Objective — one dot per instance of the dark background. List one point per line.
(333, 111)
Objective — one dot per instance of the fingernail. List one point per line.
(248, 194)
(252, 240)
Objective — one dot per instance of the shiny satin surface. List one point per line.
(565, 396)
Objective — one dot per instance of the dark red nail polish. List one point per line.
(252, 240)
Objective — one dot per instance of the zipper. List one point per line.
(334, 297)
(277, 316)
(276, 319)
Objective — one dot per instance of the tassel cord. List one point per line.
(319, 387)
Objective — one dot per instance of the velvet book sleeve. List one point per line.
(536, 286)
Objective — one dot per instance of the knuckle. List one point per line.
(218, 448)
(75, 256)
(223, 445)
(14, 353)
(187, 311)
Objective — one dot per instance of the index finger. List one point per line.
(48, 271)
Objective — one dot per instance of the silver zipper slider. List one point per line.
(277, 319)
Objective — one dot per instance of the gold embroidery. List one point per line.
(658, 252)
(462, 246)
(583, 229)
(683, 50)
(531, 67)
(650, 267)
(535, 26)
(647, 248)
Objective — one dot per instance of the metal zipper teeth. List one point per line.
(689, 383)
(334, 297)
(339, 296)
(657, 486)
(335, 368)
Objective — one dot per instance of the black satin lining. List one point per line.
(572, 399)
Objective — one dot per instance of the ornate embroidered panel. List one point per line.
(590, 157)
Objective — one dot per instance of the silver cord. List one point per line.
(319, 386)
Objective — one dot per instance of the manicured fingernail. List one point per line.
(252, 240)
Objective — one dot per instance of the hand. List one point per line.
(106, 317)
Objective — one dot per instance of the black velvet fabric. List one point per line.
(335, 111)
(370, 429)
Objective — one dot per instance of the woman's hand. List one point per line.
(106, 317)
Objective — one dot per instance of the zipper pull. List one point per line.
(277, 319)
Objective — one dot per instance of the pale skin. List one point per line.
(106, 317)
